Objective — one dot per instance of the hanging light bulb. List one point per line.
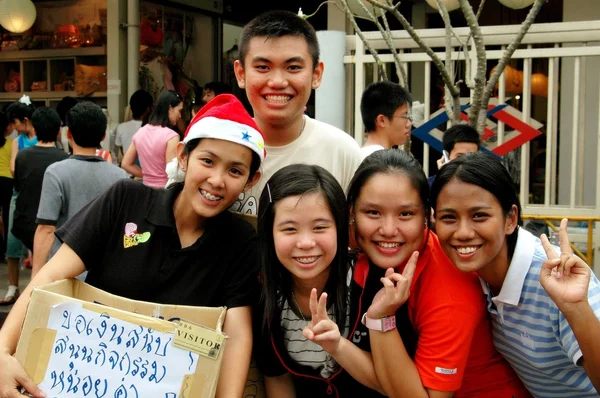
(451, 5)
(17, 16)
(516, 4)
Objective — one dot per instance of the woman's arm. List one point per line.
(398, 374)
(171, 152)
(13, 154)
(567, 280)
(65, 264)
(280, 386)
(236, 358)
(128, 163)
(323, 331)
(395, 369)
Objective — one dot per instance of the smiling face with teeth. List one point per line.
(305, 238)
(217, 171)
(389, 219)
(472, 228)
(278, 75)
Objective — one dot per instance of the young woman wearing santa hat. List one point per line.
(171, 246)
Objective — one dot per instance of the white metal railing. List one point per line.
(571, 44)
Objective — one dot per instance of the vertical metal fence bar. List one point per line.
(524, 188)
(575, 131)
(554, 152)
(581, 136)
(501, 100)
(549, 133)
(359, 86)
(427, 111)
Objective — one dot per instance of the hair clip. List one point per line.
(25, 100)
(269, 191)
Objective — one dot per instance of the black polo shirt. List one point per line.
(128, 241)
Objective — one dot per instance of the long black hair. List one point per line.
(298, 180)
(160, 114)
(19, 111)
(391, 161)
(486, 171)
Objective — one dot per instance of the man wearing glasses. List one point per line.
(385, 110)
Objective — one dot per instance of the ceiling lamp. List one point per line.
(17, 16)
(451, 5)
(515, 4)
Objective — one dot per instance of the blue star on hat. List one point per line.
(245, 136)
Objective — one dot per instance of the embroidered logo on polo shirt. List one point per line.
(133, 237)
(445, 371)
(527, 341)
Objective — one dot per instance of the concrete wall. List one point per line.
(231, 35)
(579, 10)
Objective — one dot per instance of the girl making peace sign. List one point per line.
(304, 347)
(427, 326)
(545, 306)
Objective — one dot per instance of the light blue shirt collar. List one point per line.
(510, 293)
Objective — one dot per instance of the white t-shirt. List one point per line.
(125, 132)
(369, 149)
(320, 144)
(64, 139)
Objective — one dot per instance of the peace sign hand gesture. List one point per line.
(322, 330)
(395, 290)
(566, 277)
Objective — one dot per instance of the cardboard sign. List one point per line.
(98, 354)
(67, 316)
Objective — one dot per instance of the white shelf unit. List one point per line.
(47, 65)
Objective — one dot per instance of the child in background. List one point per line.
(30, 165)
(155, 143)
(303, 344)
(19, 116)
(6, 178)
(427, 324)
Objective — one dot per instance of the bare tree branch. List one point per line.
(469, 82)
(387, 36)
(479, 79)
(393, 9)
(369, 47)
(489, 88)
(451, 102)
(389, 40)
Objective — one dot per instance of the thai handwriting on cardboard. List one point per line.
(97, 356)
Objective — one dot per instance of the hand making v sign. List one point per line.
(322, 330)
(565, 277)
(395, 290)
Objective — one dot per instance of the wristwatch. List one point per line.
(384, 324)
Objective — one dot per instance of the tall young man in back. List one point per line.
(73, 183)
(279, 66)
(30, 165)
(385, 110)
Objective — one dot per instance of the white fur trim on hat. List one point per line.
(224, 129)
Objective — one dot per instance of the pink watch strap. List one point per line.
(382, 324)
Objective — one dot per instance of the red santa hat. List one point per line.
(225, 118)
